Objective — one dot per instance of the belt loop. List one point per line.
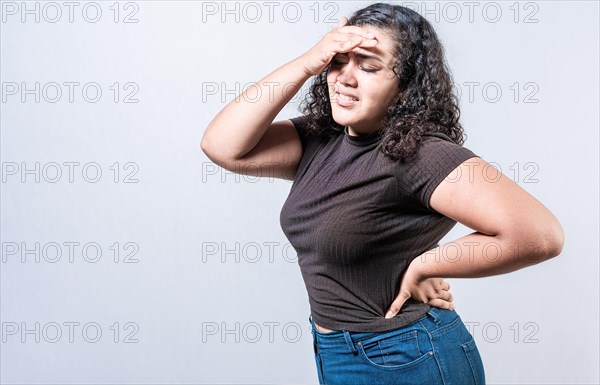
(350, 343)
(434, 315)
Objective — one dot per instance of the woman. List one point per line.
(380, 176)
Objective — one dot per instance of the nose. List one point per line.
(347, 75)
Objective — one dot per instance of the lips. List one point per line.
(347, 97)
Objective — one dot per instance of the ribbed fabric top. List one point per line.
(362, 139)
(357, 219)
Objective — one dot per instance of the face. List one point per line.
(365, 74)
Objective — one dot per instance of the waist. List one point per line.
(359, 322)
(321, 329)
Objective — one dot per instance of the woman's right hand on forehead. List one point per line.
(339, 40)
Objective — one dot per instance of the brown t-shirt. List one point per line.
(357, 219)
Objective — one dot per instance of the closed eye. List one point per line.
(338, 63)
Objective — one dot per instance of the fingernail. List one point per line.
(370, 35)
(389, 315)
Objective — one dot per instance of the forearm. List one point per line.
(479, 255)
(239, 126)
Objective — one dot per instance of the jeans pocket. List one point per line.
(472, 353)
(394, 352)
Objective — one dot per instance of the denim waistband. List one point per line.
(430, 321)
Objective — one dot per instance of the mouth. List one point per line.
(345, 100)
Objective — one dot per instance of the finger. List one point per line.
(442, 286)
(356, 40)
(448, 296)
(444, 295)
(441, 291)
(441, 304)
(348, 44)
(342, 21)
(433, 288)
(327, 57)
(355, 30)
(365, 43)
(368, 43)
(397, 304)
(445, 285)
(423, 297)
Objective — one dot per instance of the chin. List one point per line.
(341, 121)
(342, 117)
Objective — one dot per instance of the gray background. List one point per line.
(212, 272)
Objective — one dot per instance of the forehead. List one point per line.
(383, 48)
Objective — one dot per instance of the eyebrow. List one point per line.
(364, 56)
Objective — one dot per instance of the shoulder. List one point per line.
(317, 133)
(435, 152)
(299, 121)
(435, 159)
(301, 124)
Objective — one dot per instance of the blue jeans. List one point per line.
(435, 349)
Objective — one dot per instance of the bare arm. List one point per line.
(513, 229)
(238, 127)
(243, 138)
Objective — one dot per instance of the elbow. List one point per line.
(204, 146)
(210, 154)
(549, 240)
(553, 240)
(216, 151)
(207, 149)
(539, 243)
(204, 143)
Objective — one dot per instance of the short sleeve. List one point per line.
(300, 124)
(435, 160)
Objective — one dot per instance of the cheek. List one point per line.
(377, 102)
(330, 82)
(374, 98)
(382, 95)
(332, 76)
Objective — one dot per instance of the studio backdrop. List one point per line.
(129, 257)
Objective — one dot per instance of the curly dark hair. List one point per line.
(425, 102)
